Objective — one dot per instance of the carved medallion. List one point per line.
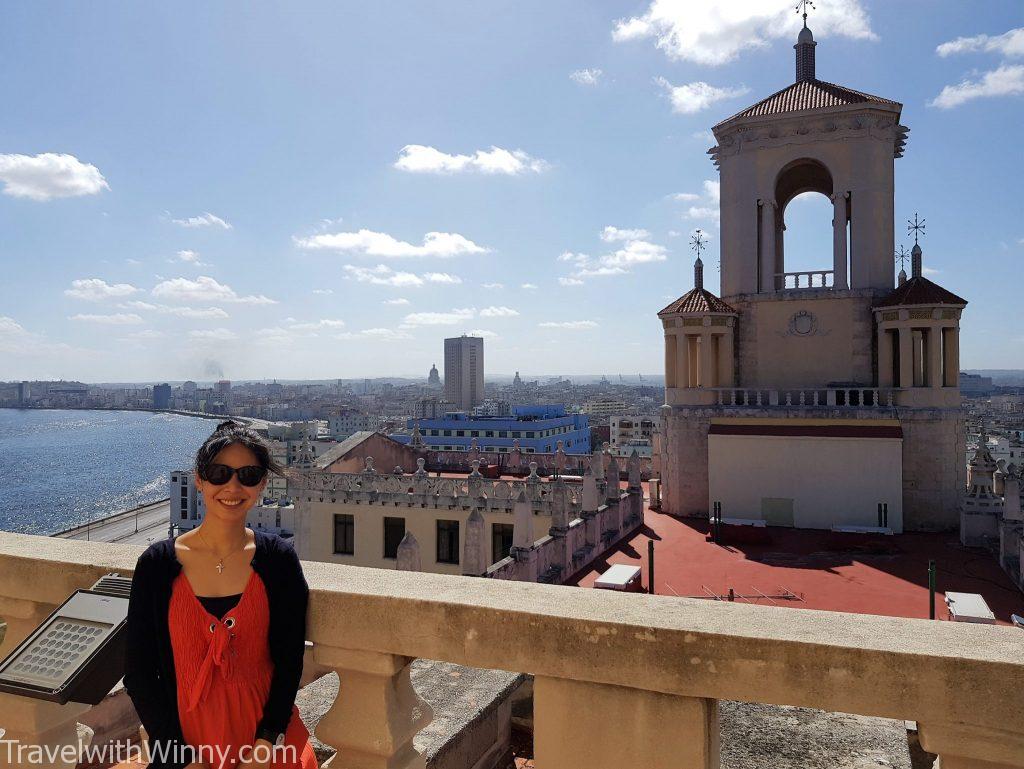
(803, 323)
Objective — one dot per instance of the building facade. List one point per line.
(535, 429)
(835, 390)
(464, 371)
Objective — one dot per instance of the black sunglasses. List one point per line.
(218, 475)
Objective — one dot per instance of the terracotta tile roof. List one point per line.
(920, 290)
(698, 300)
(809, 94)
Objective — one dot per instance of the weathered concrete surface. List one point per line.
(471, 713)
(783, 737)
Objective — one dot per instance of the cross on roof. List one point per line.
(916, 227)
(697, 243)
(902, 257)
(802, 5)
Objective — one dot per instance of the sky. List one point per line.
(327, 190)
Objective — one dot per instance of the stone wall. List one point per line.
(934, 473)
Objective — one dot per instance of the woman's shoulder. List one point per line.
(274, 546)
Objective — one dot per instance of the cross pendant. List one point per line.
(220, 567)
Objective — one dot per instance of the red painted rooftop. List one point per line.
(863, 573)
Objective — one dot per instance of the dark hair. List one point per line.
(231, 432)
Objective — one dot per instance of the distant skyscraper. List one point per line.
(434, 380)
(162, 396)
(464, 371)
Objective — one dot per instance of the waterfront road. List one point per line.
(138, 526)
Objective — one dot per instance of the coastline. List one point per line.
(179, 412)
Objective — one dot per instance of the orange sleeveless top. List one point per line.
(223, 669)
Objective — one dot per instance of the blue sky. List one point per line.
(252, 188)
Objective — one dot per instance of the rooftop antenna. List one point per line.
(802, 6)
(698, 243)
(916, 227)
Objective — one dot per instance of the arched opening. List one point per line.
(807, 233)
(803, 229)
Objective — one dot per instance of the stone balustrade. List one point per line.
(789, 281)
(518, 462)
(621, 680)
(855, 397)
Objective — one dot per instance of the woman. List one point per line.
(216, 627)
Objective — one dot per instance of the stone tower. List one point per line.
(833, 390)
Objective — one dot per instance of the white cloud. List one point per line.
(713, 189)
(438, 318)
(96, 290)
(569, 325)
(442, 277)
(376, 334)
(570, 282)
(323, 291)
(930, 271)
(704, 212)
(417, 158)
(206, 219)
(180, 312)
(16, 340)
(398, 302)
(494, 285)
(192, 257)
(709, 208)
(380, 244)
(144, 335)
(528, 286)
(635, 252)
(132, 262)
(685, 197)
(704, 136)
(1010, 44)
(586, 76)
(115, 319)
(716, 33)
(498, 312)
(482, 333)
(1007, 80)
(318, 325)
(612, 234)
(382, 275)
(690, 98)
(203, 289)
(216, 334)
(49, 175)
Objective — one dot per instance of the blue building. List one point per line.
(162, 396)
(537, 428)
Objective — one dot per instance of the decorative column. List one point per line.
(474, 559)
(671, 346)
(682, 360)
(768, 231)
(885, 372)
(934, 355)
(839, 278)
(906, 356)
(377, 712)
(920, 375)
(951, 357)
(706, 373)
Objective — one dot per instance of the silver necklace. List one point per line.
(220, 561)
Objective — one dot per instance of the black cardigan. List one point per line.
(149, 675)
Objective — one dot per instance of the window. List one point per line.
(344, 534)
(448, 433)
(501, 541)
(530, 434)
(447, 541)
(394, 530)
(460, 433)
(516, 434)
(503, 433)
(490, 434)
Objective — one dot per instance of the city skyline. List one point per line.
(255, 201)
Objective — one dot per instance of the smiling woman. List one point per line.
(226, 597)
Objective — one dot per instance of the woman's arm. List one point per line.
(142, 676)
(287, 637)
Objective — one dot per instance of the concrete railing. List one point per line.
(844, 397)
(621, 679)
(789, 281)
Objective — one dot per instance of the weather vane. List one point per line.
(902, 257)
(802, 6)
(697, 243)
(916, 227)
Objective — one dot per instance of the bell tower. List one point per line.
(834, 389)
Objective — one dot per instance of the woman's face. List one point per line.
(231, 500)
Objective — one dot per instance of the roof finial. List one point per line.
(902, 257)
(917, 227)
(804, 47)
(698, 244)
(803, 5)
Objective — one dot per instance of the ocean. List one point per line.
(61, 468)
